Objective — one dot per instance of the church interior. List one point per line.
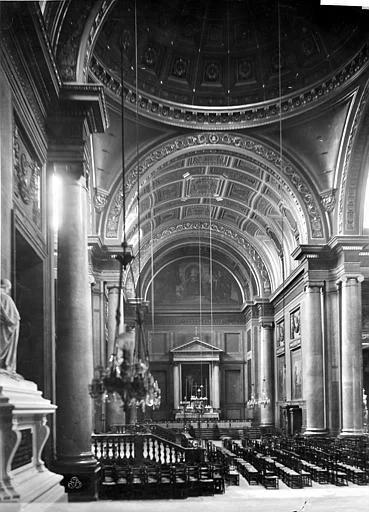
(185, 228)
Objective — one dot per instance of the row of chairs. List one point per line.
(158, 481)
(271, 469)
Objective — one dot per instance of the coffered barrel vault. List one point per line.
(235, 185)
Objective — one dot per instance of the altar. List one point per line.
(195, 409)
(196, 381)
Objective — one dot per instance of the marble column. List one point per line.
(313, 360)
(74, 347)
(80, 111)
(216, 386)
(266, 374)
(351, 356)
(115, 414)
(176, 385)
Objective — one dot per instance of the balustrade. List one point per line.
(111, 448)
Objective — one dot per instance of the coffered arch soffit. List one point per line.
(233, 180)
(351, 200)
(226, 172)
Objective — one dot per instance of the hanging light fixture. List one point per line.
(264, 399)
(252, 402)
(128, 372)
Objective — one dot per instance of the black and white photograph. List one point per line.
(184, 218)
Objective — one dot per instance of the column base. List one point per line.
(315, 432)
(81, 476)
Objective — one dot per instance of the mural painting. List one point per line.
(296, 374)
(281, 376)
(295, 328)
(181, 282)
(280, 333)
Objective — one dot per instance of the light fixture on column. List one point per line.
(252, 402)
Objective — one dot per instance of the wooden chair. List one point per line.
(232, 476)
(206, 481)
(217, 471)
(192, 474)
(269, 480)
(179, 480)
(108, 483)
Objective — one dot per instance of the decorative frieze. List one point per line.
(328, 200)
(100, 199)
(231, 319)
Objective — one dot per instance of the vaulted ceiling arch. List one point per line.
(234, 181)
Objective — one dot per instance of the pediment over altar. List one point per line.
(196, 350)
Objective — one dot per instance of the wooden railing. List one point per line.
(140, 447)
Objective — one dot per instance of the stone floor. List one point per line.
(242, 498)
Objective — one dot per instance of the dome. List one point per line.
(213, 54)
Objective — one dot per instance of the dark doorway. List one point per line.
(29, 298)
(195, 377)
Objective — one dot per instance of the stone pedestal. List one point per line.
(23, 434)
(313, 360)
(351, 350)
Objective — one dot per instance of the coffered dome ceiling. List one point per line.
(212, 57)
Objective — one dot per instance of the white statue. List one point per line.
(9, 328)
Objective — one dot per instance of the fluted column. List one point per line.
(74, 348)
(266, 373)
(351, 353)
(176, 385)
(115, 414)
(216, 386)
(313, 360)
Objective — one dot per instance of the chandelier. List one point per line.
(252, 402)
(264, 400)
(128, 373)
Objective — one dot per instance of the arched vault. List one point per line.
(236, 190)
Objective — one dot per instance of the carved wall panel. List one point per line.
(28, 181)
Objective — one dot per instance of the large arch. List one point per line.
(231, 180)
